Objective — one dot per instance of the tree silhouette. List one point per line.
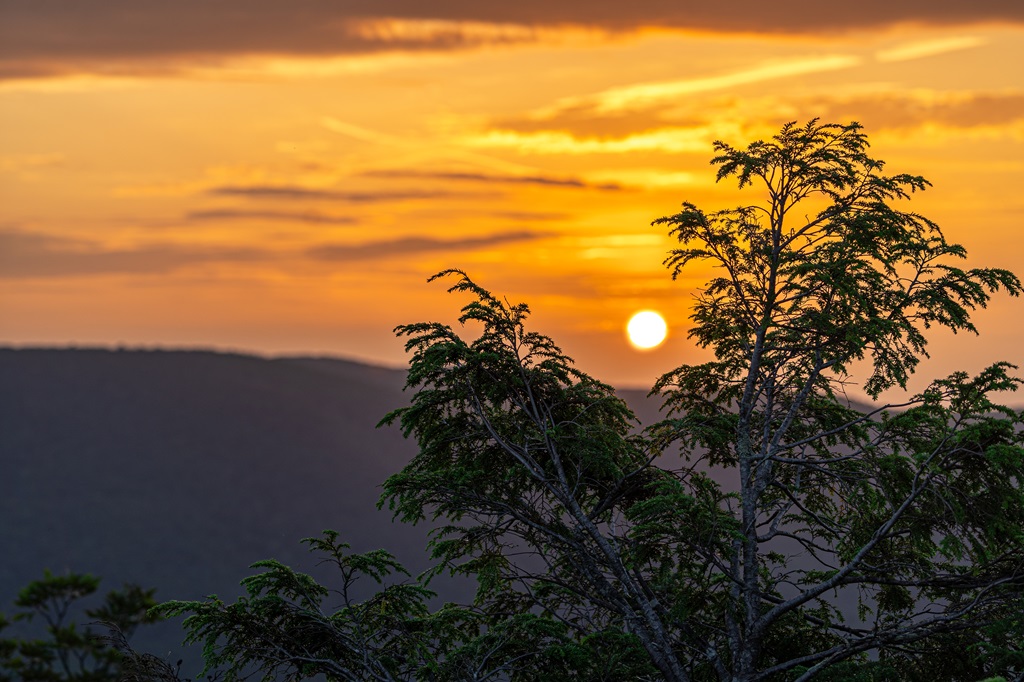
(59, 649)
(916, 514)
(848, 545)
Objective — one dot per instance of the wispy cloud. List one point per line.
(585, 121)
(458, 31)
(359, 132)
(685, 129)
(416, 245)
(293, 192)
(21, 163)
(285, 216)
(916, 108)
(542, 180)
(645, 116)
(668, 140)
(24, 254)
(424, 149)
(644, 95)
(929, 48)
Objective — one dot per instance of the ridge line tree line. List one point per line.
(885, 544)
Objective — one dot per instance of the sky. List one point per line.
(283, 178)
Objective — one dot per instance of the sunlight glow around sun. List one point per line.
(646, 329)
(264, 176)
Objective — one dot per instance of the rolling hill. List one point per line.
(178, 469)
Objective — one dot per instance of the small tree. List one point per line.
(59, 649)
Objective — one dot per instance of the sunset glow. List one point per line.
(646, 329)
(287, 183)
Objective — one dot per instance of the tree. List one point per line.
(917, 513)
(289, 625)
(63, 651)
(851, 544)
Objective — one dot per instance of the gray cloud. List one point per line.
(415, 245)
(899, 110)
(44, 37)
(287, 192)
(285, 216)
(542, 180)
(24, 254)
(30, 255)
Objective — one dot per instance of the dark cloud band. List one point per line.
(25, 254)
(290, 192)
(416, 245)
(283, 216)
(541, 180)
(41, 37)
(29, 255)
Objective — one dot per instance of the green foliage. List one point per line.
(59, 649)
(595, 563)
(858, 277)
(917, 512)
(290, 625)
(527, 457)
(283, 626)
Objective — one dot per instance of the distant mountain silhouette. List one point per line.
(178, 469)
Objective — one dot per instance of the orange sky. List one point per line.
(284, 180)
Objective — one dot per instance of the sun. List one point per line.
(646, 329)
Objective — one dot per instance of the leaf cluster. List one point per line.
(55, 647)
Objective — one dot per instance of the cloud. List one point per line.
(657, 178)
(31, 255)
(24, 254)
(286, 216)
(46, 37)
(644, 116)
(292, 192)
(419, 145)
(671, 126)
(646, 94)
(22, 163)
(666, 140)
(904, 110)
(542, 180)
(929, 48)
(388, 248)
(585, 121)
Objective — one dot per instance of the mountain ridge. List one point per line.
(177, 469)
